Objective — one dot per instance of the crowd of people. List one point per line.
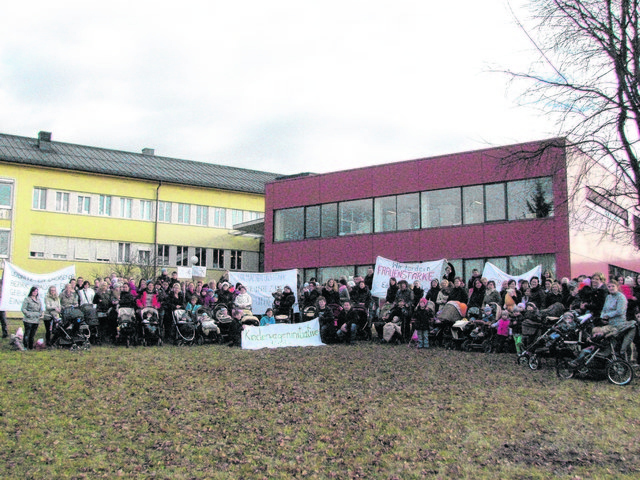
(165, 294)
(407, 311)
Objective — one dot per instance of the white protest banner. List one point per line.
(491, 272)
(261, 285)
(199, 271)
(306, 334)
(185, 272)
(422, 271)
(16, 284)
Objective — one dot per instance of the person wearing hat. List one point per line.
(163, 277)
(422, 318)
(225, 296)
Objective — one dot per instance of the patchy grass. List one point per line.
(365, 411)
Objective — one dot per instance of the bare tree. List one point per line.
(588, 78)
(140, 264)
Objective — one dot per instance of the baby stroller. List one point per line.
(449, 314)
(207, 329)
(223, 321)
(126, 330)
(548, 342)
(185, 328)
(603, 356)
(70, 330)
(93, 322)
(150, 327)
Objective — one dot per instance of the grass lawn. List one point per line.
(365, 411)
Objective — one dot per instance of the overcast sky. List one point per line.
(285, 86)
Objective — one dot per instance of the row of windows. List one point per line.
(63, 248)
(139, 209)
(515, 265)
(532, 198)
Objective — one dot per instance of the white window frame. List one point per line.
(184, 208)
(164, 211)
(39, 201)
(62, 202)
(5, 245)
(146, 209)
(104, 204)
(126, 207)
(219, 217)
(10, 185)
(124, 252)
(202, 215)
(84, 204)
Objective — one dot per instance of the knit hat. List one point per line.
(423, 301)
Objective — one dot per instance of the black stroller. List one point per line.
(185, 328)
(126, 330)
(602, 356)
(93, 322)
(207, 330)
(70, 330)
(150, 327)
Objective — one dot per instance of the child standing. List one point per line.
(516, 329)
(502, 333)
(422, 319)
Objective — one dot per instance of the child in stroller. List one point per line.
(70, 330)
(150, 327)
(126, 332)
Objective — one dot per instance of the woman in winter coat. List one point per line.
(418, 293)
(52, 311)
(330, 292)
(392, 290)
(432, 294)
(491, 295)
(477, 295)
(33, 312)
(615, 305)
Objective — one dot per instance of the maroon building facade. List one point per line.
(493, 205)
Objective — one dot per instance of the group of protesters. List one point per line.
(166, 294)
(407, 311)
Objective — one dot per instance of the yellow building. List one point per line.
(63, 204)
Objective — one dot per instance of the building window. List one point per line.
(218, 258)
(104, 205)
(408, 208)
(182, 256)
(531, 198)
(495, 199)
(356, 217)
(611, 209)
(312, 222)
(385, 214)
(164, 212)
(219, 217)
(84, 204)
(184, 210)
(5, 195)
(202, 215)
(201, 253)
(163, 255)
(288, 224)
(523, 263)
(236, 217)
(40, 198)
(145, 210)
(4, 243)
(144, 257)
(236, 260)
(329, 220)
(441, 208)
(103, 251)
(62, 202)
(473, 202)
(124, 252)
(125, 207)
